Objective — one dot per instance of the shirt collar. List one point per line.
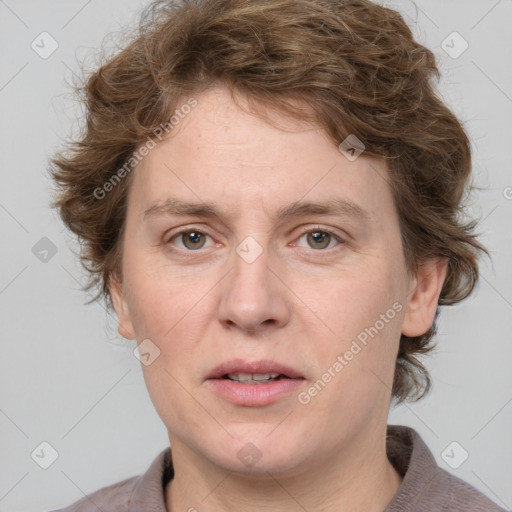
(404, 447)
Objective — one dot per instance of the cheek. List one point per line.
(365, 313)
(161, 299)
(345, 306)
(175, 323)
(172, 313)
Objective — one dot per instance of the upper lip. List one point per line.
(262, 366)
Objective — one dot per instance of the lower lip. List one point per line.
(254, 394)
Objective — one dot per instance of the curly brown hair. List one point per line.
(356, 67)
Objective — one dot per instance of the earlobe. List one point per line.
(124, 325)
(423, 298)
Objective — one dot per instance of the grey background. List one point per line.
(69, 379)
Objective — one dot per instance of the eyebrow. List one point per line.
(336, 206)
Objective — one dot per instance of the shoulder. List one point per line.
(425, 486)
(132, 494)
(112, 498)
(455, 494)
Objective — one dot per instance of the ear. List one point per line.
(423, 297)
(124, 326)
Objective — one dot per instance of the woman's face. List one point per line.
(263, 274)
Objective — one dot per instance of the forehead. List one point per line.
(223, 155)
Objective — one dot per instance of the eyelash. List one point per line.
(321, 229)
(305, 231)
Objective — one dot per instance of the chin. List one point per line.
(253, 452)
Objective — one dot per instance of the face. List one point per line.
(264, 253)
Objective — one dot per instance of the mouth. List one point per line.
(254, 372)
(254, 378)
(256, 383)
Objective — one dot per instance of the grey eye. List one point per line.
(319, 239)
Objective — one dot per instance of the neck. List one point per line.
(358, 478)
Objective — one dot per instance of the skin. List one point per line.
(301, 302)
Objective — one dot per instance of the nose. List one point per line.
(253, 296)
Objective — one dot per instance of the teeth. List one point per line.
(264, 376)
(250, 378)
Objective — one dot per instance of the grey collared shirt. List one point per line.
(425, 486)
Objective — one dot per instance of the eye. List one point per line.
(190, 240)
(319, 239)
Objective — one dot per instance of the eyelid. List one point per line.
(311, 229)
(303, 230)
(188, 229)
(319, 227)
